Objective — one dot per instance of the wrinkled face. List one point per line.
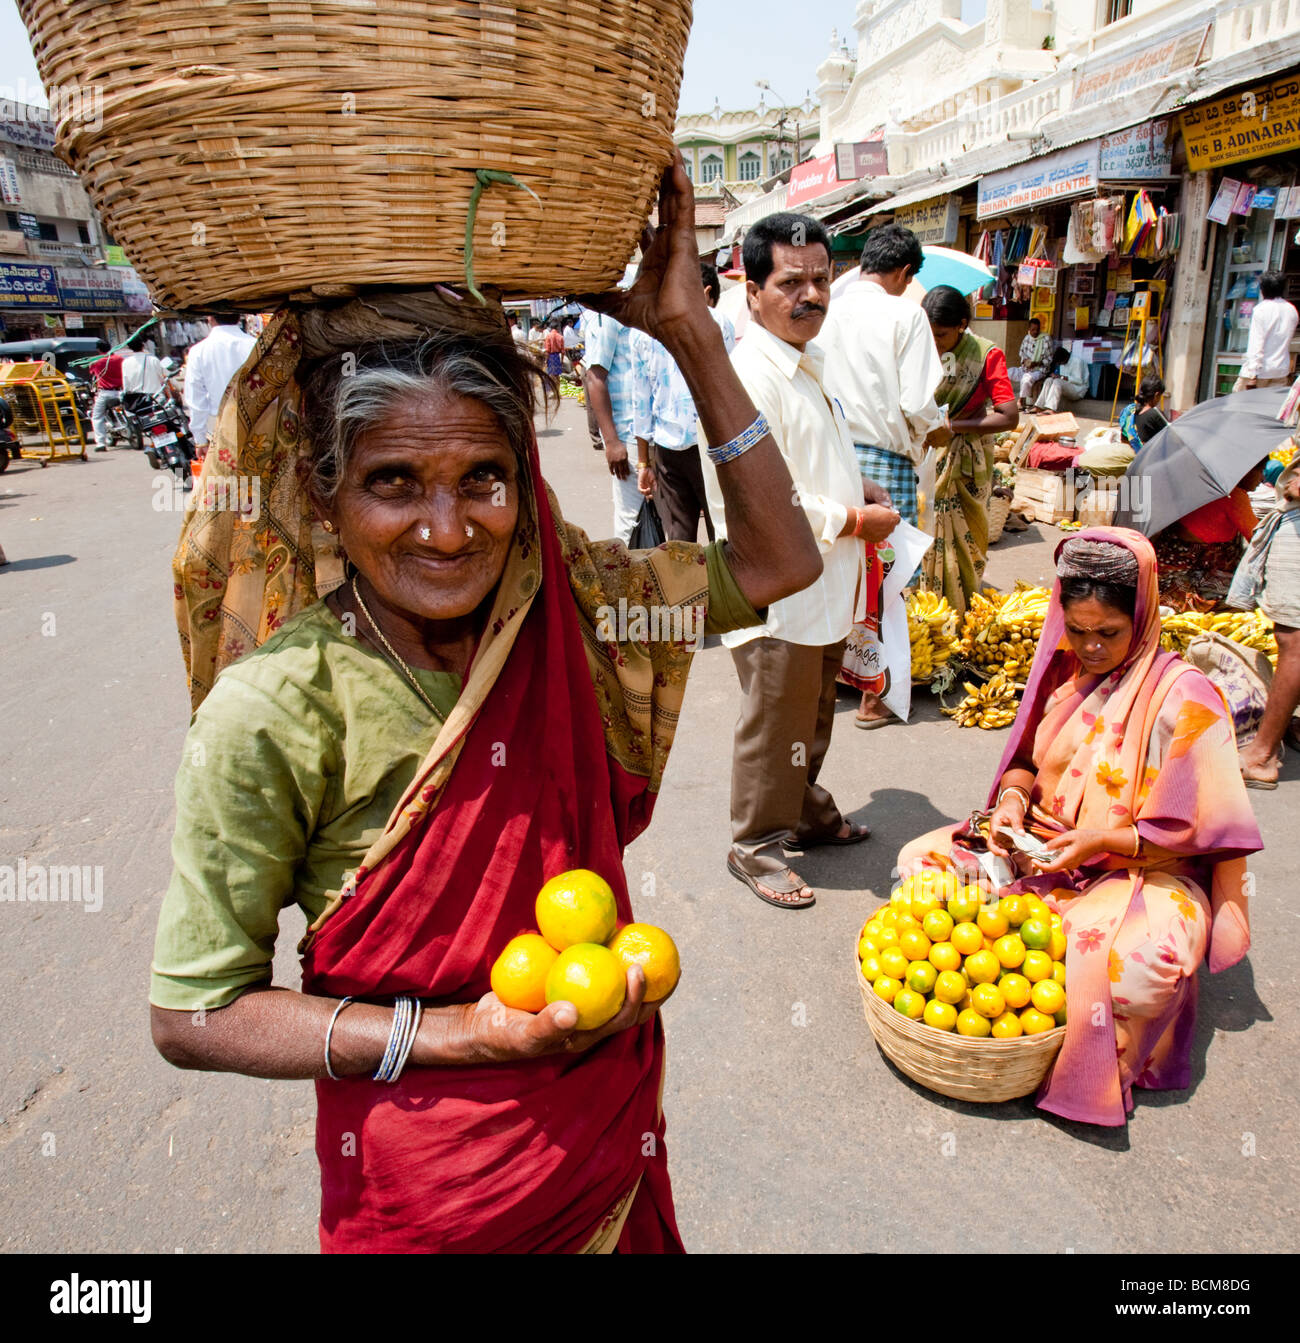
(946, 337)
(440, 464)
(1099, 634)
(792, 304)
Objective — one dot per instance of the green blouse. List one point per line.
(292, 767)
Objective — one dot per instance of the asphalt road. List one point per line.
(787, 1129)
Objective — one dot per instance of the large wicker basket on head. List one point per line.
(245, 150)
(964, 1067)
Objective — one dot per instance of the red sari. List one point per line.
(528, 1156)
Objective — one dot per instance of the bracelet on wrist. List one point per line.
(859, 520)
(728, 452)
(1016, 788)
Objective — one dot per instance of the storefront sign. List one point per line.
(73, 321)
(1138, 153)
(812, 179)
(30, 130)
(28, 286)
(1261, 121)
(865, 159)
(1101, 80)
(83, 290)
(29, 225)
(115, 256)
(932, 221)
(1066, 173)
(9, 188)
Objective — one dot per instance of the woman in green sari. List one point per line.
(975, 378)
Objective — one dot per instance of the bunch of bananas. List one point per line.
(990, 705)
(1251, 629)
(1285, 453)
(573, 391)
(1001, 630)
(932, 633)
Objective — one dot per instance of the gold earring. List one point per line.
(328, 525)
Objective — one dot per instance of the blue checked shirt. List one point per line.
(663, 411)
(609, 346)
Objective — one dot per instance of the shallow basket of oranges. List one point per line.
(963, 1012)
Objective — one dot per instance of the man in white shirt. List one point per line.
(882, 365)
(787, 666)
(1272, 324)
(1066, 381)
(1034, 350)
(143, 376)
(518, 334)
(610, 395)
(666, 426)
(211, 365)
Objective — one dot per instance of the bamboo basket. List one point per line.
(959, 1066)
(242, 151)
(999, 512)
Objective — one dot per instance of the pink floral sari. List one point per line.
(1150, 744)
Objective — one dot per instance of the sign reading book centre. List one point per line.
(1066, 173)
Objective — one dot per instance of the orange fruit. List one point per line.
(1036, 933)
(886, 917)
(987, 1000)
(1036, 965)
(914, 944)
(1007, 1027)
(992, 923)
(967, 938)
(906, 921)
(921, 976)
(655, 952)
(940, 1015)
(970, 1022)
(963, 906)
(950, 987)
(1014, 908)
(937, 925)
(886, 986)
(1009, 950)
(1058, 972)
(1016, 989)
(900, 899)
(944, 956)
(1034, 1022)
(1056, 947)
(1038, 908)
(871, 968)
(889, 938)
(894, 962)
(590, 977)
(982, 967)
(866, 947)
(576, 907)
(909, 1003)
(1056, 921)
(1049, 997)
(519, 974)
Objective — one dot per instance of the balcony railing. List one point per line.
(754, 210)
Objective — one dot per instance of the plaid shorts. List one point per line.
(895, 473)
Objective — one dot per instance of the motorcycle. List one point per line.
(165, 432)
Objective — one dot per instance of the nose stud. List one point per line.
(425, 533)
(469, 531)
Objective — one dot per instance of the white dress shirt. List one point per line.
(882, 364)
(209, 367)
(1268, 351)
(811, 432)
(663, 412)
(143, 373)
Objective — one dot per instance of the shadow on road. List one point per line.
(40, 562)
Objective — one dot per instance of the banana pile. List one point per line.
(932, 633)
(1001, 630)
(990, 705)
(573, 391)
(1251, 629)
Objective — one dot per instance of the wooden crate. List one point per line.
(1043, 496)
(1097, 507)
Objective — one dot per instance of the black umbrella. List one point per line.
(1200, 457)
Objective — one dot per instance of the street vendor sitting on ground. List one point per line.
(1123, 758)
(1199, 553)
(411, 758)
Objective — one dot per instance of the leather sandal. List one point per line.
(782, 883)
(857, 833)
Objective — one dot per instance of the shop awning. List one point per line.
(943, 187)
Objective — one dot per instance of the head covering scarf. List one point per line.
(513, 1157)
(1089, 738)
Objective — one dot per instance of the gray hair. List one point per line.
(349, 392)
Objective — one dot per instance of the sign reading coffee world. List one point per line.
(83, 290)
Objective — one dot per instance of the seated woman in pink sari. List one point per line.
(407, 747)
(1126, 756)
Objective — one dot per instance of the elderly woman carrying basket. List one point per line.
(1123, 757)
(409, 759)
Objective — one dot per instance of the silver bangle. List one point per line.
(329, 1031)
(400, 1009)
(404, 1052)
(728, 452)
(1016, 788)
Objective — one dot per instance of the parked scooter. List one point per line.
(168, 442)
